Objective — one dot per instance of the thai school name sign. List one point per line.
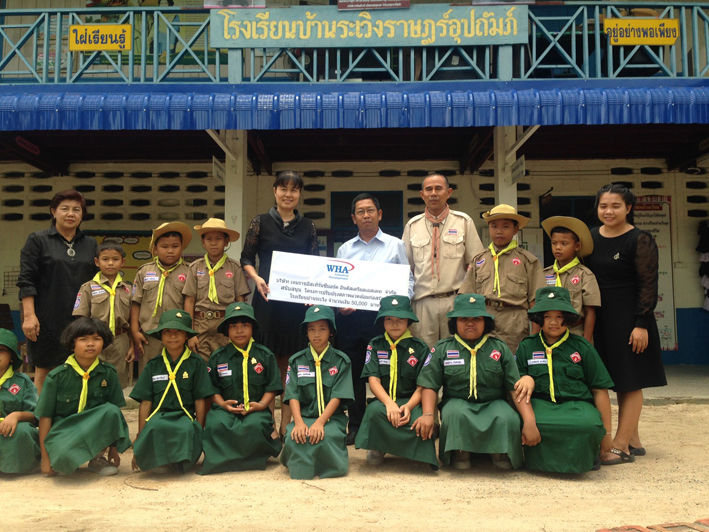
(339, 283)
(326, 27)
(100, 37)
(637, 31)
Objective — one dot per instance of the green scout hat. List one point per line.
(9, 340)
(396, 307)
(174, 319)
(552, 298)
(316, 313)
(469, 306)
(237, 310)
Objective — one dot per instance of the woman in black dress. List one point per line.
(54, 263)
(625, 262)
(281, 229)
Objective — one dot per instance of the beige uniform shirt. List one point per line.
(581, 284)
(459, 244)
(93, 301)
(520, 276)
(230, 282)
(147, 279)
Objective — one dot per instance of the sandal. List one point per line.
(623, 458)
(637, 451)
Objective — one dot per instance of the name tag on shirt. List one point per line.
(157, 378)
(149, 277)
(384, 362)
(454, 362)
(306, 374)
(224, 373)
(98, 292)
(551, 279)
(537, 362)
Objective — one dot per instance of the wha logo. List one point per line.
(339, 269)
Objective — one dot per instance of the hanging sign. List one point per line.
(100, 37)
(635, 31)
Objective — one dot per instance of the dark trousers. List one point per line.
(354, 332)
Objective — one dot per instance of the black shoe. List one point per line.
(350, 439)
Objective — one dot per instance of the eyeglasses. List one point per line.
(361, 212)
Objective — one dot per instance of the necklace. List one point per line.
(70, 251)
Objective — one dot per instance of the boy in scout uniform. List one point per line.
(392, 365)
(239, 433)
(19, 439)
(507, 275)
(570, 391)
(79, 410)
(107, 298)
(172, 392)
(214, 282)
(570, 241)
(318, 389)
(158, 287)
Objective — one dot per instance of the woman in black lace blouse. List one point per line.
(281, 229)
(625, 262)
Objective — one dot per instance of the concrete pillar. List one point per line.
(240, 192)
(505, 191)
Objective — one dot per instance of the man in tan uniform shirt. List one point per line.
(440, 243)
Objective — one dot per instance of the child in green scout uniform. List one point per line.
(318, 389)
(214, 282)
(107, 298)
(392, 365)
(79, 410)
(171, 391)
(507, 275)
(19, 439)
(477, 372)
(239, 432)
(570, 241)
(158, 287)
(570, 385)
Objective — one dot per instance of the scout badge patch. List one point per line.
(412, 361)
(258, 368)
(14, 389)
(333, 371)
(576, 357)
(495, 355)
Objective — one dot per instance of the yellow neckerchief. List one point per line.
(495, 259)
(393, 363)
(548, 353)
(318, 377)
(172, 382)
(245, 370)
(7, 376)
(85, 380)
(112, 299)
(161, 285)
(473, 363)
(212, 283)
(566, 268)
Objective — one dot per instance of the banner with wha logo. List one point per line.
(335, 282)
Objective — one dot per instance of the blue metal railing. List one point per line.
(173, 44)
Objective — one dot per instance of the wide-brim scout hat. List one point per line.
(316, 313)
(174, 319)
(9, 340)
(215, 224)
(505, 212)
(469, 306)
(396, 307)
(575, 225)
(237, 310)
(552, 298)
(172, 227)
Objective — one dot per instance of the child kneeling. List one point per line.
(79, 410)
(389, 421)
(570, 385)
(318, 387)
(239, 434)
(477, 372)
(171, 391)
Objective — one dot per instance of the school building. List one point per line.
(160, 113)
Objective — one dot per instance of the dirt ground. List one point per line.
(670, 484)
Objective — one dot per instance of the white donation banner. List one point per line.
(335, 282)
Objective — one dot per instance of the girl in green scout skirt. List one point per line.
(19, 439)
(477, 372)
(171, 391)
(239, 432)
(318, 387)
(79, 409)
(392, 365)
(570, 385)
